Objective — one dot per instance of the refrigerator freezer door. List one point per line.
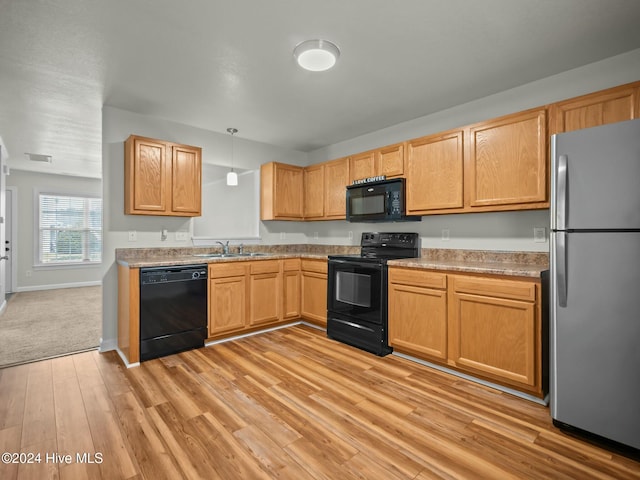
(602, 178)
(595, 339)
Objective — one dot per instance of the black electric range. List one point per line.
(357, 311)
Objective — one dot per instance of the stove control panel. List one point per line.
(386, 239)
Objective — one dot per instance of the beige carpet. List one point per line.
(48, 323)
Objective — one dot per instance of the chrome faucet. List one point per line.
(241, 249)
(225, 247)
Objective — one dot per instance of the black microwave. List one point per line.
(382, 201)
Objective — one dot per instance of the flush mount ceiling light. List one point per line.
(316, 55)
(34, 157)
(232, 177)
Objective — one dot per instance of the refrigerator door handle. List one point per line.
(561, 268)
(561, 199)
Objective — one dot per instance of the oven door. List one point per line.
(355, 289)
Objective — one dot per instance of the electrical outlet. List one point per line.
(181, 236)
(350, 235)
(539, 234)
(133, 236)
(445, 234)
(28, 273)
(283, 236)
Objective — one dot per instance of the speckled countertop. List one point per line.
(163, 257)
(518, 264)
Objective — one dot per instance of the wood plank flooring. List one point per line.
(287, 404)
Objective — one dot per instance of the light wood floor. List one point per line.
(287, 404)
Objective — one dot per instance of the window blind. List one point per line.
(70, 229)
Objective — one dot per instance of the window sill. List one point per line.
(63, 266)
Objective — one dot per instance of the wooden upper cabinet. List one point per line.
(507, 162)
(600, 108)
(281, 192)
(162, 178)
(363, 165)
(186, 175)
(434, 171)
(336, 179)
(391, 160)
(314, 191)
(388, 161)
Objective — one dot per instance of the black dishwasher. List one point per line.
(173, 309)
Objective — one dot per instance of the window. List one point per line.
(70, 229)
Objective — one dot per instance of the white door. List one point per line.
(9, 245)
(2, 228)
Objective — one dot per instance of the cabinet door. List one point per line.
(314, 191)
(147, 179)
(391, 160)
(434, 173)
(291, 294)
(363, 165)
(336, 179)
(508, 161)
(599, 108)
(281, 192)
(418, 320)
(186, 173)
(314, 297)
(492, 329)
(227, 304)
(265, 298)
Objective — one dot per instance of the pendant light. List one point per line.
(232, 177)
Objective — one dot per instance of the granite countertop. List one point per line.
(517, 264)
(163, 257)
(488, 268)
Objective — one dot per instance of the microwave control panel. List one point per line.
(395, 203)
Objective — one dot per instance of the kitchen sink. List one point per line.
(230, 255)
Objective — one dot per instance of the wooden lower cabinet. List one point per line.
(314, 291)
(227, 297)
(291, 289)
(418, 312)
(487, 326)
(265, 292)
(246, 296)
(494, 329)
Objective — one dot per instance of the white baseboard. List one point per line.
(55, 286)
(125, 361)
(517, 393)
(244, 335)
(108, 344)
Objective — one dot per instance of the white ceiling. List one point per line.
(215, 64)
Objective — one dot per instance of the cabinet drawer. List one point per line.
(319, 266)
(418, 278)
(291, 264)
(495, 288)
(231, 269)
(265, 266)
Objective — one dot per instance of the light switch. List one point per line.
(539, 234)
(133, 236)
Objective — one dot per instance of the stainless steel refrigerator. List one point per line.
(595, 281)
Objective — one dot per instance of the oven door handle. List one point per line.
(375, 266)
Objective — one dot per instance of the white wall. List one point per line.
(24, 251)
(493, 231)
